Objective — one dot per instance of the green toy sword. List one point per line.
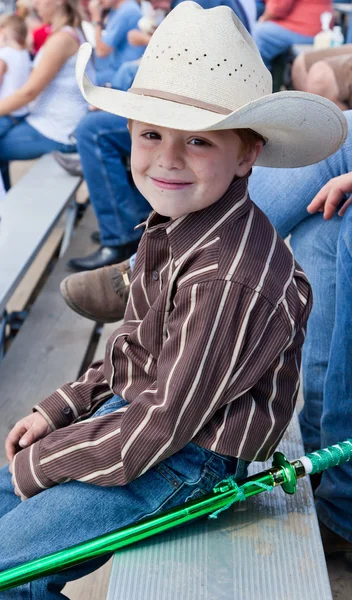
(226, 493)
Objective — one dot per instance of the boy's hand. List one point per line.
(331, 195)
(26, 432)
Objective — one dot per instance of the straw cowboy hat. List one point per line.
(202, 71)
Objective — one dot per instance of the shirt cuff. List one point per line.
(59, 409)
(27, 472)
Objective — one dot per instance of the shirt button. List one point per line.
(155, 275)
(66, 410)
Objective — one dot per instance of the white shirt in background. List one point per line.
(18, 69)
(58, 109)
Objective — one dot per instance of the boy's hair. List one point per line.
(18, 28)
(248, 138)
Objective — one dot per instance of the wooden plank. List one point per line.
(39, 202)
(50, 346)
(26, 287)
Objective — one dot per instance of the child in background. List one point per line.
(15, 65)
(37, 31)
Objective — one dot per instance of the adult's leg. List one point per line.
(283, 195)
(23, 142)
(272, 40)
(73, 512)
(334, 495)
(103, 141)
(322, 80)
(314, 244)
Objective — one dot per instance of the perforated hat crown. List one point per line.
(202, 71)
(207, 59)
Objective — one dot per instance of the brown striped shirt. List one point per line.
(209, 351)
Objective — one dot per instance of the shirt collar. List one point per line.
(188, 232)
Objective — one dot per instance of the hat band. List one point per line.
(180, 99)
(189, 102)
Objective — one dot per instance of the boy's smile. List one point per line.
(180, 172)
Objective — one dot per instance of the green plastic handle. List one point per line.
(332, 456)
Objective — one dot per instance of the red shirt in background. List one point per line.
(39, 36)
(301, 16)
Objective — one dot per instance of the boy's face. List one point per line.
(180, 172)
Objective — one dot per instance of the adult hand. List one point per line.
(331, 195)
(95, 10)
(26, 432)
(13, 481)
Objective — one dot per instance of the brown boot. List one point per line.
(332, 542)
(100, 295)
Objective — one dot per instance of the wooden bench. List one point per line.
(28, 214)
(270, 548)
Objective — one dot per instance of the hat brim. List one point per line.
(301, 128)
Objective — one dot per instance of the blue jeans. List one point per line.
(323, 250)
(73, 512)
(260, 8)
(123, 78)
(334, 495)
(7, 122)
(272, 40)
(22, 142)
(104, 143)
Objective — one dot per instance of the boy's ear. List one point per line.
(248, 159)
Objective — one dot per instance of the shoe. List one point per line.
(104, 256)
(332, 542)
(99, 295)
(70, 162)
(95, 237)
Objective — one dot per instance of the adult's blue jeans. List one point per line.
(272, 40)
(322, 249)
(104, 144)
(73, 512)
(260, 8)
(20, 141)
(334, 495)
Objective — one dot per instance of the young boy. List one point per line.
(202, 376)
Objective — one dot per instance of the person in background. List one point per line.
(15, 65)
(327, 73)
(38, 31)
(321, 242)
(56, 104)
(287, 22)
(112, 47)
